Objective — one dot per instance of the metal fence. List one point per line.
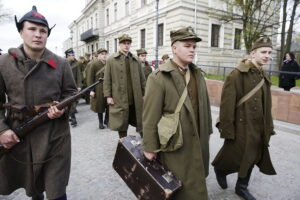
(223, 70)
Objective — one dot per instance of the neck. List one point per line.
(257, 65)
(181, 64)
(36, 55)
(125, 53)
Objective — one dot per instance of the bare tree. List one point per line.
(284, 16)
(290, 30)
(4, 14)
(256, 16)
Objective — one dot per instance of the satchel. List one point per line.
(169, 127)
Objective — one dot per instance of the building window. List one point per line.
(92, 48)
(107, 46)
(116, 44)
(143, 2)
(126, 7)
(88, 48)
(107, 16)
(160, 34)
(237, 38)
(91, 22)
(143, 38)
(96, 17)
(215, 35)
(97, 46)
(115, 11)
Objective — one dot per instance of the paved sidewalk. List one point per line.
(93, 178)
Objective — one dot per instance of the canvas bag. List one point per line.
(169, 127)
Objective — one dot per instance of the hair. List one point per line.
(292, 55)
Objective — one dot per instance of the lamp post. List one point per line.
(156, 47)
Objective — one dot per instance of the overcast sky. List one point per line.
(59, 12)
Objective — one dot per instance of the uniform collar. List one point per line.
(119, 54)
(47, 57)
(170, 66)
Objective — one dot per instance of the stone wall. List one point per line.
(286, 105)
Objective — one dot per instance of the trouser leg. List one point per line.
(106, 116)
(64, 197)
(38, 197)
(73, 119)
(241, 187)
(122, 134)
(221, 178)
(100, 118)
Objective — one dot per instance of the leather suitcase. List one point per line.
(147, 180)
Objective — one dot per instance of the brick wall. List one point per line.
(286, 105)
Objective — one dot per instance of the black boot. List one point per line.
(100, 118)
(73, 120)
(241, 187)
(38, 197)
(106, 116)
(221, 178)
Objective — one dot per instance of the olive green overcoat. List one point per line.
(96, 71)
(190, 162)
(48, 80)
(246, 129)
(147, 70)
(76, 70)
(115, 86)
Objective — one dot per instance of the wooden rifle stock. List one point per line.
(25, 128)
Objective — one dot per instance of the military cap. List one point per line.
(165, 57)
(35, 17)
(124, 37)
(141, 51)
(262, 42)
(69, 52)
(186, 33)
(101, 50)
(87, 54)
(81, 57)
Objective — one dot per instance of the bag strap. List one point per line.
(184, 94)
(251, 93)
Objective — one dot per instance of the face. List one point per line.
(143, 57)
(71, 57)
(34, 36)
(102, 55)
(125, 46)
(184, 51)
(288, 57)
(262, 55)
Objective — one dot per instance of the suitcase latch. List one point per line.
(168, 176)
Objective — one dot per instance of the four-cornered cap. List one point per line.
(141, 51)
(262, 42)
(124, 37)
(35, 17)
(101, 50)
(69, 52)
(186, 33)
(165, 57)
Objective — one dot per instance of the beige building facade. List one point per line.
(102, 21)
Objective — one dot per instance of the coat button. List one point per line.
(255, 108)
(241, 119)
(255, 99)
(254, 81)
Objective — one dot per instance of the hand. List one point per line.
(92, 94)
(110, 101)
(79, 89)
(53, 112)
(8, 139)
(150, 155)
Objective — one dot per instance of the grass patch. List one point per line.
(274, 79)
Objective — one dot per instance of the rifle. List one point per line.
(25, 128)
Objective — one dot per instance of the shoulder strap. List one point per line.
(251, 93)
(100, 71)
(184, 94)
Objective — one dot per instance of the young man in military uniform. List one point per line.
(76, 70)
(165, 58)
(31, 75)
(246, 125)
(124, 84)
(85, 62)
(96, 71)
(142, 54)
(189, 161)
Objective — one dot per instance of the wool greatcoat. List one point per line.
(26, 82)
(189, 163)
(147, 70)
(96, 71)
(115, 86)
(246, 129)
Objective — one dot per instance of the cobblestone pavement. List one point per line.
(93, 178)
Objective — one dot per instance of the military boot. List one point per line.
(106, 117)
(241, 187)
(73, 120)
(100, 118)
(38, 197)
(122, 134)
(221, 178)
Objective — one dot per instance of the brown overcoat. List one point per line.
(48, 80)
(76, 70)
(96, 71)
(190, 162)
(147, 70)
(115, 86)
(246, 129)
